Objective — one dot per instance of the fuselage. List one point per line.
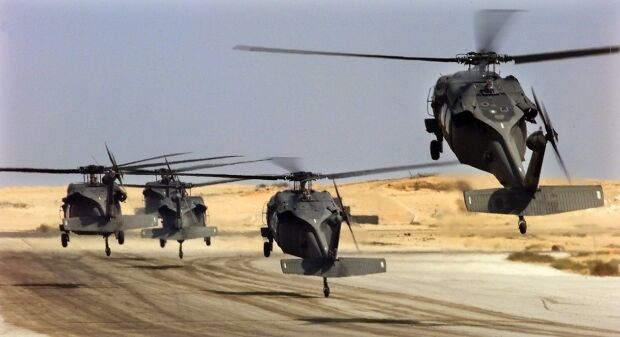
(305, 225)
(482, 116)
(91, 200)
(176, 211)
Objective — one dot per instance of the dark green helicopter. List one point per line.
(306, 223)
(183, 216)
(483, 117)
(93, 207)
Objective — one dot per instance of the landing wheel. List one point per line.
(208, 241)
(522, 225)
(64, 239)
(435, 149)
(162, 243)
(120, 237)
(325, 287)
(267, 247)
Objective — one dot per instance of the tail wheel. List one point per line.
(522, 226)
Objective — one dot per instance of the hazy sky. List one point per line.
(151, 77)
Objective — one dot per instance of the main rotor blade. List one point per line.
(187, 185)
(386, 170)
(217, 182)
(174, 162)
(205, 166)
(290, 164)
(156, 157)
(346, 214)
(327, 53)
(235, 176)
(490, 26)
(564, 54)
(38, 170)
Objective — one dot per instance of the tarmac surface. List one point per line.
(65, 292)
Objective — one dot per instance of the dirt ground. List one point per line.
(423, 213)
(435, 252)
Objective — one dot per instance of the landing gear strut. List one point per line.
(325, 287)
(64, 239)
(522, 224)
(108, 251)
(180, 249)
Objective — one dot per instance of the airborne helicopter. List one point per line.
(92, 207)
(483, 117)
(306, 223)
(183, 216)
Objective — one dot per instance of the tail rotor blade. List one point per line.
(346, 215)
(561, 161)
(117, 174)
(551, 134)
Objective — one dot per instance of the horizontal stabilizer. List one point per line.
(100, 224)
(546, 200)
(185, 233)
(346, 266)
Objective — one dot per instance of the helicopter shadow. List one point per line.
(49, 285)
(262, 293)
(126, 258)
(366, 320)
(156, 267)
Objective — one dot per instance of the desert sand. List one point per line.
(447, 270)
(415, 213)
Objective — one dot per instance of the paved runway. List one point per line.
(82, 293)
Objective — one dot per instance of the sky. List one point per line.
(154, 77)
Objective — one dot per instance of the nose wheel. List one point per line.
(522, 225)
(325, 287)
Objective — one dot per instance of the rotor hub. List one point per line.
(477, 58)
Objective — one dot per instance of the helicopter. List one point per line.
(483, 117)
(93, 206)
(183, 216)
(306, 223)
